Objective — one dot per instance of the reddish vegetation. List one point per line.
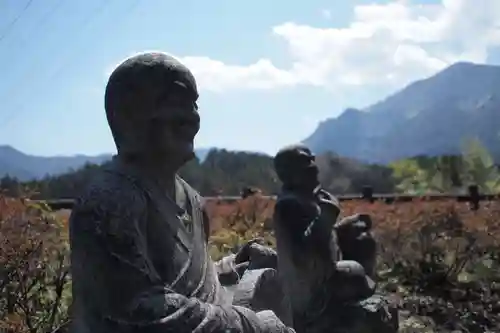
(421, 243)
(407, 215)
(439, 259)
(34, 268)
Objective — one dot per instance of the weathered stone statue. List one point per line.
(139, 234)
(325, 266)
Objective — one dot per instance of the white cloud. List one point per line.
(384, 44)
(216, 76)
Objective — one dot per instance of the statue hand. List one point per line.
(356, 241)
(243, 254)
(257, 255)
(232, 277)
(358, 222)
(348, 283)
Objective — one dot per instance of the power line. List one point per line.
(13, 23)
(40, 23)
(86, 23)
(99, 10)
(13, 88)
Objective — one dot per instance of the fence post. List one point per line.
(367, 193)
(474, 196)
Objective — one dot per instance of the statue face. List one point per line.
(170, 127)
(301, 169)
(306, 170)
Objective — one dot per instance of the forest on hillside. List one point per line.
(228, 173)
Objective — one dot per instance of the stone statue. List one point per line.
(325, 265)
(138, 234)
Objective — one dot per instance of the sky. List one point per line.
(268, 71)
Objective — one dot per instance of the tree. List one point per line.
(479, 167)
(449, 173)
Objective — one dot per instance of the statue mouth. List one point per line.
(185, 128)
(185, 133)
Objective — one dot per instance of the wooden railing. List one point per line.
(473, 197)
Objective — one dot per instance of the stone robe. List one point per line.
(305, 262)
(140, 262)
(326, 292)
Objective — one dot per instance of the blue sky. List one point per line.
(269, 71)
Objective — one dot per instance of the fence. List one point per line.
(473, 197)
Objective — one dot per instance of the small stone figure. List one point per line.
(323, 264)
(356, 242)
(138, 235)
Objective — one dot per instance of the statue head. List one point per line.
(151, 108)
(296, 167)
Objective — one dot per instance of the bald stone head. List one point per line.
(151, 108)
(296, 167)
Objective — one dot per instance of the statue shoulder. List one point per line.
(191, 192)
(327, 196)
(111, 194)
(289, 204)
(287, 199)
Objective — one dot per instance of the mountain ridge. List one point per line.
(431, 116)
(24, 166)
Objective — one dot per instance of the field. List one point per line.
(440, 261)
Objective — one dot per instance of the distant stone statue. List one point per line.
(249, 191)
(139, 234)
(324, 265)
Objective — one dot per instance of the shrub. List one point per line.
(440, 260)
(34, 280)
(235, 223)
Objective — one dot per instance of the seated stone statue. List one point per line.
(325, 265)
(138, 234)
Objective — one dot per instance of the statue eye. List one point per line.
(303, 159)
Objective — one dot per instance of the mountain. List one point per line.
(23, 166)
(26, 167)
(430, 117)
